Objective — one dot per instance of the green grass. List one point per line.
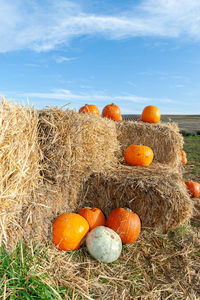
(192, 149)
(21, 275)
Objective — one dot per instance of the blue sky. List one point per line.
(132, 53)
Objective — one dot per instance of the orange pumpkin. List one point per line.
(151, 114)
(89, 109)
(94, 216)
(137, 155)
(193, 188)
(184, 157)
(125, 223)
(112, 111)
(68, 231)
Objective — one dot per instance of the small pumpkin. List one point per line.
(125, 223)
(68, 231)
(112, 111)
(193, 188)
(94, 216)
(151, 114)
(138, 155)
(89, 109)
(184, 157)
(104, 244)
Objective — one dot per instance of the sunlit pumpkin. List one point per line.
(104, 244)
(112, 111)
(94, 216)
(193, 188)
(138, 155)
(68, 231)
(184, 157)
(125, 223)
(151, 114)
(89, 109)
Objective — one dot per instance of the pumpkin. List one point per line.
(89, 109)
(120, 119)
(125, 223)
(111, 111)
(184, 157)
(193, 188)
(151, 114)
(138, 155)
(104, 244)
(68, 231)
(94, 216)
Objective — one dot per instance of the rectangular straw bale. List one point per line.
(156, 193)
(75, 145)
(19, 160)
(164, 139)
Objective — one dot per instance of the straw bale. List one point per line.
(156, 193)
(19, 160)
(164, 139)
(75, 145)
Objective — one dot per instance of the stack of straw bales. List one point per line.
(73, 146)
(55, 160)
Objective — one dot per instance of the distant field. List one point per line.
(190, 123)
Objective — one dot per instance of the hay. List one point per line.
(156, 193)
(164, 139)
(19, 172)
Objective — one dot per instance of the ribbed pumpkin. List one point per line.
(125, 223)
(94, 216)
(137, 155)
(112, 111)
(184, 157)
(68, 231)
(104, 244)
(193, 188)
(89, 109)
(151, 114)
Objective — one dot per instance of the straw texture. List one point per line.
(19, 161)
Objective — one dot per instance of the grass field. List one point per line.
(157, 266)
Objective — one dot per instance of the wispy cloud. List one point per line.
(48, 24)
(91, 97)
(61, 59)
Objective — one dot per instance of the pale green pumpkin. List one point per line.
(104, 244)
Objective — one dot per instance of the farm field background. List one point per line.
(187, 123)
(157, 266)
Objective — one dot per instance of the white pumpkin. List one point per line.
(104, 244)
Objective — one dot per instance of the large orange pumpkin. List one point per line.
(193, 188)
(94, 216)
(112, 111)
(137, 155)
(125, 223)
(184, 157)
(68, 231)
(151, 114)
(89, 109)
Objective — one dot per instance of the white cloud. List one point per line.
(48, 24)
(61, 59)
